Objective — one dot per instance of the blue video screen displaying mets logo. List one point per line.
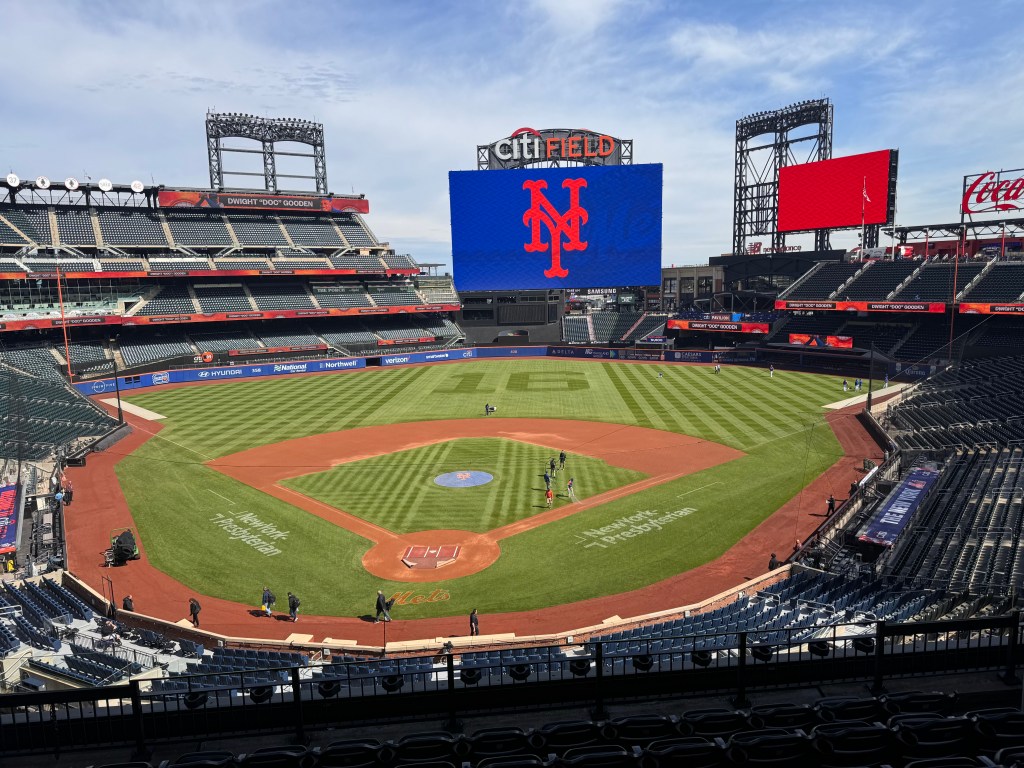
(580, 227)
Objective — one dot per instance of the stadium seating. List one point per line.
(33, 222)
(258, 231)
(223, 342)
(934, 282)
(339, 295)
(576, 329)
(878, 279)
(284, 265)
(11, 265)
(8, 236)
(927, 343)
(198, 229)
(318, 233)
(270, 296)
(1004, 282)
(822, 282)
(884, 336)
(178, 264)
(66, 265)
(354, 232)
(250, 263)
(75, 227)
(437, 290)
(121, 265)
(393, 295)
(363, 264)
(38, 361)
(1000, 333)
(131, 228)
(171, 300)
(222, 298)
(966, 536)
(299, 337)
(140, 351)
(398, 261)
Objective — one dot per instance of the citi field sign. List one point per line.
(555, 146)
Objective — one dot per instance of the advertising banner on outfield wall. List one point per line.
(103, 386)
(898, 509)
(863, 306)
(814, 340)
(972, 308)
(8, 518)
(413, 358)
(714, 326)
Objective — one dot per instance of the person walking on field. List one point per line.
(831, 505)
(570, 488)
(561, 460)
(193, 609)
(547, 480)
(474, 623)
(383, 607)
(267, 601)
(771, 371)
(293, 607)
(548, 497)
(551, 466)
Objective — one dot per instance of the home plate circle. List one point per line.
(466, 478)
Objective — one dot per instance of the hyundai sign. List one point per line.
(539, 228)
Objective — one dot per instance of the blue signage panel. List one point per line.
(895, 513)
(439, 356)
(556, 227)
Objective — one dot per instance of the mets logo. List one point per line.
(567, 225)
(463, 475)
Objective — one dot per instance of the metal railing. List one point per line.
(293, 699)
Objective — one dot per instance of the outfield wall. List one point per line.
(333, 365)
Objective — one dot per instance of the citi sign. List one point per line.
(528, 144)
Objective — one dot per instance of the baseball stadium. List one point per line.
(262, 474)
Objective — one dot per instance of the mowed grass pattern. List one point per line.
(777, 422)
(398, 492)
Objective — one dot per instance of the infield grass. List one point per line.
(175, 500)
(398, 492)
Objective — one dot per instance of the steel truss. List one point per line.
(756, 189)
(266, 131)
(996, 228)
(119, 195)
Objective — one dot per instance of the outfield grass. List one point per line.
(398, 492)
(777, 422)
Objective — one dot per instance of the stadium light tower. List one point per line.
(268, 132)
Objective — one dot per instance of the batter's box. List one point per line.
(421, 556)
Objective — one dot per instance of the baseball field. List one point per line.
(316, 484)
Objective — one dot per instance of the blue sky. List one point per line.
(406, 90)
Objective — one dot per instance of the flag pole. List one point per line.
(863, 230)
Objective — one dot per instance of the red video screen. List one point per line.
(837, 193)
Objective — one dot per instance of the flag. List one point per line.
(866, 190)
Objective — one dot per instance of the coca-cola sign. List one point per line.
(993, 192)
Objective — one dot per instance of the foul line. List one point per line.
(687, 493)
(229, 501)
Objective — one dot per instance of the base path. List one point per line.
(100, 506)
(663, 456)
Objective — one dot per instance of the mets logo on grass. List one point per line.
(543, 212)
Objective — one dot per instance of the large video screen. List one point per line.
(831, 194)
(556, 227)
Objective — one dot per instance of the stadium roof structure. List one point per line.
(1009, 227)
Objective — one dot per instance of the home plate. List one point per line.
(421, 556)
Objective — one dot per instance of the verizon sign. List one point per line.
(993, 192)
